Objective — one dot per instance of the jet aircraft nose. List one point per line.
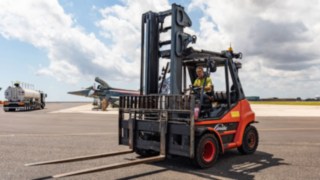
(85, 92)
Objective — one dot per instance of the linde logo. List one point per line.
(220, 127)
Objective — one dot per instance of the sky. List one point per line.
(62, 45)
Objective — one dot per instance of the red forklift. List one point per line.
(184, 121)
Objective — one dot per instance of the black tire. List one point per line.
(250, 141)
(146, 153)
(206, 151)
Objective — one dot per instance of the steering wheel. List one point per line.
(196, 89)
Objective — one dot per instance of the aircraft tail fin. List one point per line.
(102, 82)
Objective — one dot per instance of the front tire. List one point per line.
(206, 151)
(250, 141)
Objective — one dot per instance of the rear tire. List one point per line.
(250, 141)
(206, 151)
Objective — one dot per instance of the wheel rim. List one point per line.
(251, 140)
(209, 151)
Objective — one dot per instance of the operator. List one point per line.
(200, 80)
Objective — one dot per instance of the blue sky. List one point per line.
(60, 46)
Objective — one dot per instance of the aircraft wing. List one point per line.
(85, 93)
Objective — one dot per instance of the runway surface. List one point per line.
(289, 146)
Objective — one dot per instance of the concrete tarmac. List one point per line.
(289, 147)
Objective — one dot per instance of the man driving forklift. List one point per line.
(201, 78)
(203, 87)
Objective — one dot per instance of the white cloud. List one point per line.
(73, 53)
(279, 40)
(121, 24)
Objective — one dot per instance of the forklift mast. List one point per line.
(176, 50)
(152, 49)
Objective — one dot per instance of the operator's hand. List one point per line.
(200, 87)
(196, 89)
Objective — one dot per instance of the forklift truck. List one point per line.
(182, 122)
(177, 123)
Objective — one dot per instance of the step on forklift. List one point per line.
(184, 121)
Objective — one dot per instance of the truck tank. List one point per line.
(20, 98)
(21, 94)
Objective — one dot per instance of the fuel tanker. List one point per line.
(22, 99)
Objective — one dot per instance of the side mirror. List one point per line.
(238, 55)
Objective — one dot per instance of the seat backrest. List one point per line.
(220, 96)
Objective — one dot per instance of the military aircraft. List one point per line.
(104, 91)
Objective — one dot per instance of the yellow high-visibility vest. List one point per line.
(200, 82)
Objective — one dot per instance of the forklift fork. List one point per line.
(162, 156)
(98, 168)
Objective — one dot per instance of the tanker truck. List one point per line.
(22, 99)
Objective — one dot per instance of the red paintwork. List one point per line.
(228, 132)
(252, 140)
(246, 116)
(219, 137)
(209, 151)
